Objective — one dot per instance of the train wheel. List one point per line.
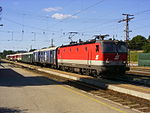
(81, 71)
(87, 72)
(94, 73)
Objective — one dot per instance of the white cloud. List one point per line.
(51, 9)
(62, 16)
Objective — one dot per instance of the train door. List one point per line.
(89, 52)
(48, 57)
(54, 57)
(51, 57)
(38, 56)
(61, 56)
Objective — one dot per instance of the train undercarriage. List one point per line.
(96, 71)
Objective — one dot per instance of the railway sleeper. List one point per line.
(143, 108)
(134, 105)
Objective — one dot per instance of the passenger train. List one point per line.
(97, 57)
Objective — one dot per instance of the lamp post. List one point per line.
(34, 34)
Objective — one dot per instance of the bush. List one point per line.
(146, 48)
(134, 55)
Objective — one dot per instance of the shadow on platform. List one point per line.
(11, 110)
(10, 78)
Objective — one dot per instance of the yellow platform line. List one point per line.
(98, 101)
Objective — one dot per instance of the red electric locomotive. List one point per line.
(98, 57)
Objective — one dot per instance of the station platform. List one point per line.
(138, 91)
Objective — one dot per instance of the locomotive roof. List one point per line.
(89, 42)
(15, 54)
(27, 53)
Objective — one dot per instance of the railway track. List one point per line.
(135, 103)
(138, 77)
(141, 80)
(140, 71)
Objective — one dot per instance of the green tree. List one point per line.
(6, 52)
(147, 48)
(149, 37)
(137, 42)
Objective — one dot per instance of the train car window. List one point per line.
(97, 48)
(86, 49)
(77, 49)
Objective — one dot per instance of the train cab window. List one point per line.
(97, 48)
(109, 47)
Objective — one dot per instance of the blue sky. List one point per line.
(33, 23)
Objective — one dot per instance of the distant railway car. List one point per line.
(105, 58)
(14, 57)
(18, 57)
(36, 56)
(8, 57)
(27, 57)
(45, 56)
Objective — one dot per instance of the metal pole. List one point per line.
(127, 19)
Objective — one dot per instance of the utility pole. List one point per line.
(22, 34)
(52, 43)
(34, 33)
(127, 19)
(1, 9)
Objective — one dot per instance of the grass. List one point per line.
(134, 55)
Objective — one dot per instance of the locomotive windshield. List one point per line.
(112, 47)
(122, 47)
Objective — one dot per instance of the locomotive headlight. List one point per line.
(124, 62)
(107, 62)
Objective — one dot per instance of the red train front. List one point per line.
(105, 58)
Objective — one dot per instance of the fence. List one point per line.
(144, 59)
